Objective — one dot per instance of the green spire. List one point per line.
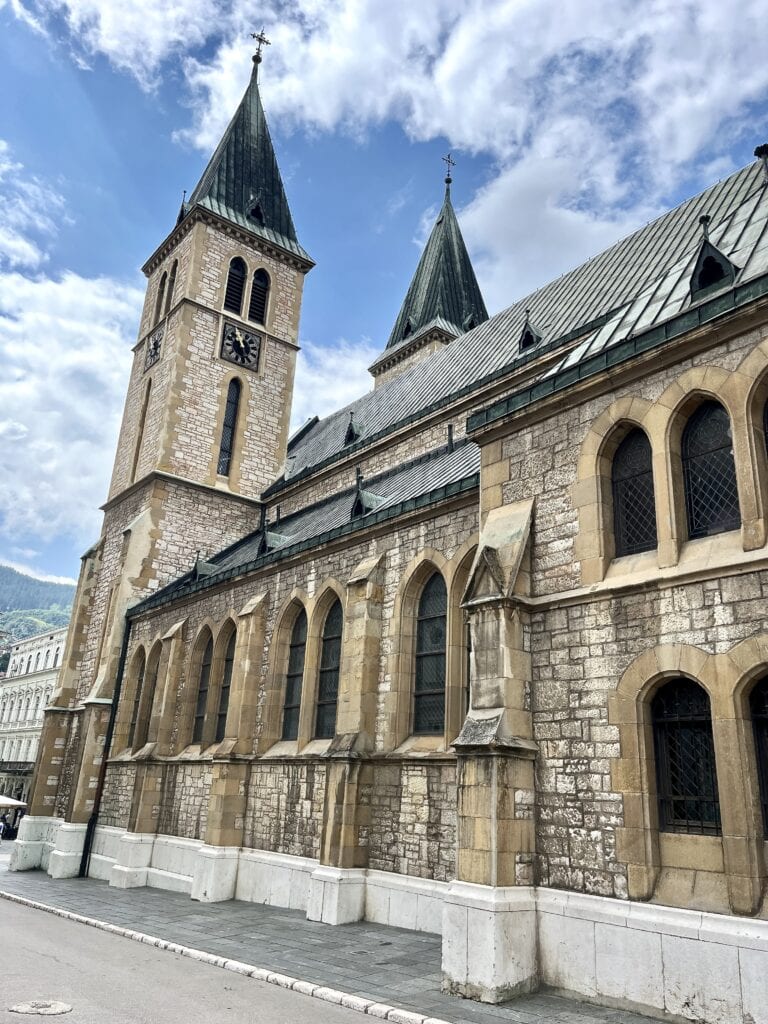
(242, 181)
(444, 288)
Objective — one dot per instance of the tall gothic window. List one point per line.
(758, 704)
(429, 683)
(160, 297)
(203, 684)
(709, 472)
(328, 682)
(226, 685)
(228, 429)
(257, 307)
(137, 692)
(233, 295)
(634, 507)
(171, 287)
(765, 424)
(294, 677)
(685, 759)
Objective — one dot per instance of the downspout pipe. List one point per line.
(90, 828)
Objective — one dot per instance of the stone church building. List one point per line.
(484, 653)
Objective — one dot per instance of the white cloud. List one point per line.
(329, 377)
(28, 214)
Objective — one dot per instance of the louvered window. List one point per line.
(758, 703)
(233, 296)
(685, 759)
(171, 287)
(226, 685)
(328, 681)
(228, 430)
(257, 307)
(294, 677)
(202, 692)
(429, 684)
(160, 297)
(709, 472)
(136, 701)
(634, 507)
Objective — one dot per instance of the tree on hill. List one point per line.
(29, 606)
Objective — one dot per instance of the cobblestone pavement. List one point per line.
(391, 965)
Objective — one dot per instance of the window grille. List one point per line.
(294, 677)
(328, 682)
(136, 702)
(709, 472)
(226, 685)
(171, 287)
(685, 759)
(233, 296)
(758, 703)
(228, 429)
(202, 692)
(160, 297)
(257, 307)
(634, 505)
(429, 684)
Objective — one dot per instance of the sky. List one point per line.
(571, 125)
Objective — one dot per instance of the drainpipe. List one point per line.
(91, 826)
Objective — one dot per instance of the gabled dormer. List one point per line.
(712, 270)
(530, 336)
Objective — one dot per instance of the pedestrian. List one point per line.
(3, 824)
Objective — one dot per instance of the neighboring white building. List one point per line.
(24, 693)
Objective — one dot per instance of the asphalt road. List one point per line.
(108, 979)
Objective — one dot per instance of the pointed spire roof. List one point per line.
(242, 181)
(444, 287)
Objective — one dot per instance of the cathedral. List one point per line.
(484, 653)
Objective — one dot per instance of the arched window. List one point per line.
(685, 759)
(228, 429)
(634, 507)
(226, 685)
(233, 296)
(294, 677)
(138, 690)
(758, 705)
(202, 692)
(257, 307)
(37, 660)
(56, 657)
(171, 287)
(328, 682)
(765, 425)
(429, 682)
(160, 297)
(29, 664)
(47, 658)
(709, 472)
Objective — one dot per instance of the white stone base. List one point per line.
(64, 861)
(404, 901)
(215, 873)
(133, 855)
(276, 879)
(489, 942)
(336, 895)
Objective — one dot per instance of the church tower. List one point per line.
(443, 300)
(204, 429)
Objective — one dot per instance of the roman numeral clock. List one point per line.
(241, 346)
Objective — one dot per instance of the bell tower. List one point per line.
(204, 430)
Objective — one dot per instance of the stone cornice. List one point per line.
(158, 474)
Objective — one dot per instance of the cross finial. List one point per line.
(449, 162)
(261, 40)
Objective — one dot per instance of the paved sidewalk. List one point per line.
(390, 965)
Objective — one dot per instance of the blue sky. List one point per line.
(571, 124)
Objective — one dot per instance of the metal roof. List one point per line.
(444, 286)
(639, 280)
(242, 175)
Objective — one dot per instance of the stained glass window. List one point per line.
(634, 507)
(226, 684)
(228, 429)
(709, 472)
(328, 681)
(294, 677)
(202, 691)
(257, 307)
(685, 759)
(429, 685)
(233, 296)
(758, 703)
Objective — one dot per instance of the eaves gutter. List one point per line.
(176, 592)
(622, 352)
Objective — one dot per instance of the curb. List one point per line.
(329, 995)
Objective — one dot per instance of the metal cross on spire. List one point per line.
(449, 162)
(261, 40)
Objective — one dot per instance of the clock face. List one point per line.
(240, 346)
(154, 344)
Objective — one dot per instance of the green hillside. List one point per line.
(29, 605)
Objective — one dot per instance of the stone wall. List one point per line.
(117, 796)
(284, 809)
(184, 800)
